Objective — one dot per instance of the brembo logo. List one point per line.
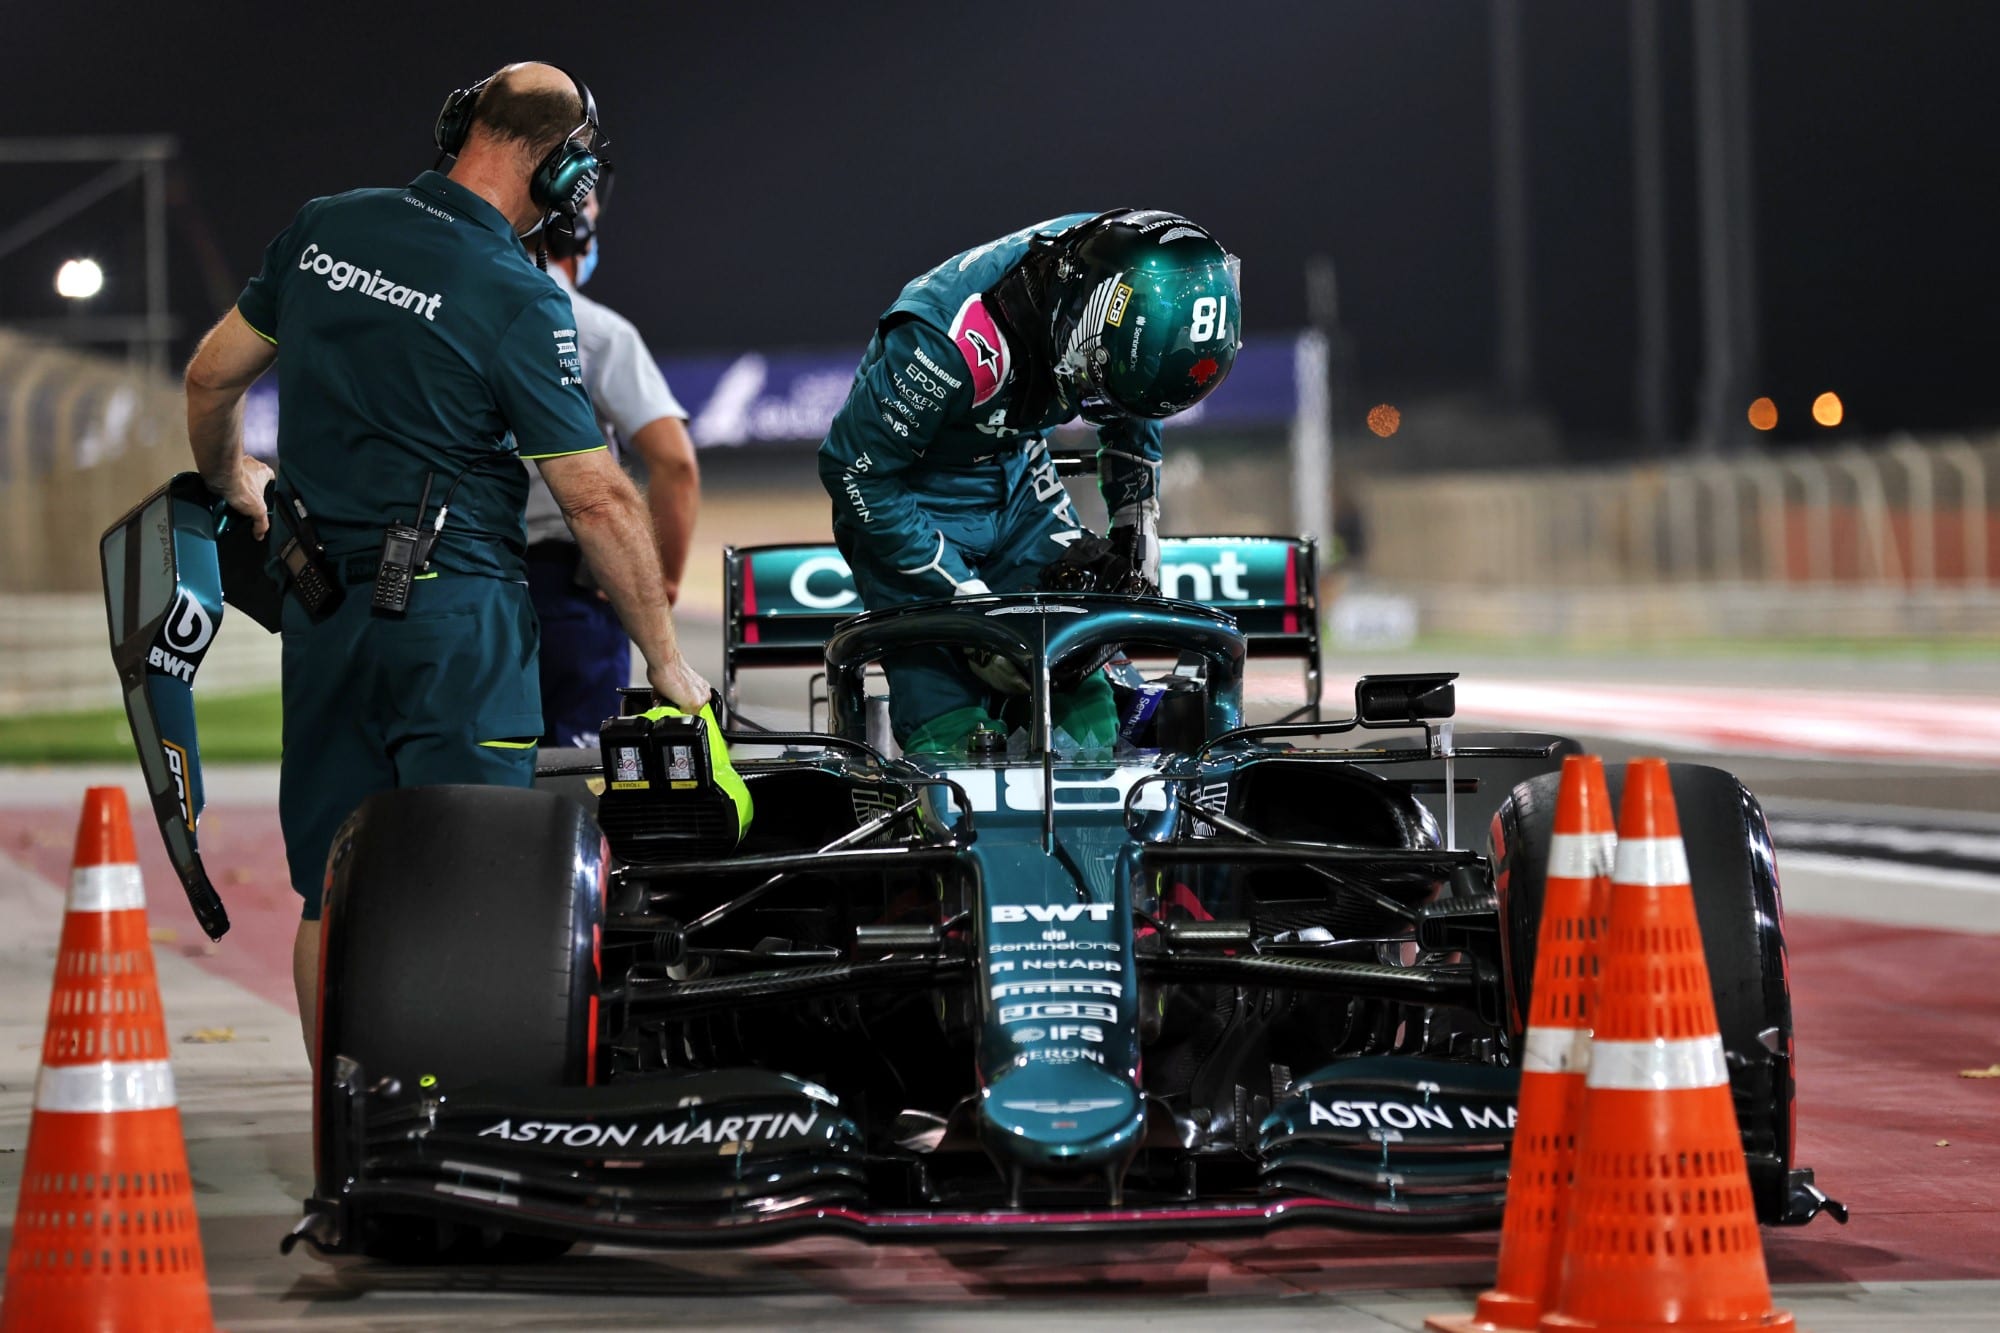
(342, 276)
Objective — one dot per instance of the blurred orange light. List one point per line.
(1384, 420)
(1763, 414)
(1828, 409)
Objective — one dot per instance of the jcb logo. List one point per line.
(1080, 1010)
(1005, 916)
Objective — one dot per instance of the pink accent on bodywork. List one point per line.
(983, 346)
(1292, 587)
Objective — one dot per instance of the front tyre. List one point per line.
(1737, 902)
(459, 949)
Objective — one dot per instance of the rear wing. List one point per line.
(782, 602)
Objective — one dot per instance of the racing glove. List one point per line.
(1135, 535)
(1092, 564)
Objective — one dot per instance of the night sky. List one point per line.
(784, 167)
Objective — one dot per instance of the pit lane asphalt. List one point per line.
(245, 1106)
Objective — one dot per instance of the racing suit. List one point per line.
(943, 484)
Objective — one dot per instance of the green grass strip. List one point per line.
(233, 727)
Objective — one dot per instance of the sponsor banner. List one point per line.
(1392, 1100)
(708, 1131)
(772, 397)
(1246, 573)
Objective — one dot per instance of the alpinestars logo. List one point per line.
(987, 354)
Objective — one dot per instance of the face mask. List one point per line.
(587, 265)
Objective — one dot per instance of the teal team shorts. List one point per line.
(446, 693)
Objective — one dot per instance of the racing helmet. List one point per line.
(1146, 313)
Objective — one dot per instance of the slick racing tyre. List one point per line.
(1737, 902)
(459, 949)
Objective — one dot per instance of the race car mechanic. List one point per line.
(938, 463)
(585, 654)
(419, 349)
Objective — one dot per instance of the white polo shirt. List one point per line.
(626, 387)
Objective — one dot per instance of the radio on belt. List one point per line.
(661, 801)
(406, 552)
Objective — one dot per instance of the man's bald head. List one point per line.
(531, 106)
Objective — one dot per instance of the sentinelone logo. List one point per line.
(343, 276)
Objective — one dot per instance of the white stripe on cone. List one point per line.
(120, 1085)
(1651, 862)
(1659, 1065)
(112, 888)
(1556, 1051)
(1581, 855)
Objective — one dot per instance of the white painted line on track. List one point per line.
(1946, 730)
(1956, 730)
(1891, 893)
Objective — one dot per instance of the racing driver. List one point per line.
(939, 465)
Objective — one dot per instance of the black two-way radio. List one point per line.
(309, 574)
(406, 549)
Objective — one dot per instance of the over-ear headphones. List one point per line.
(573, 242)
(566, 174)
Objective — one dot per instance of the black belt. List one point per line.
(359, 569)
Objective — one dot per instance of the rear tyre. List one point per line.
(459, 949)
(1737, 902)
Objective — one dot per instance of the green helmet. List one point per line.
(1147, 315)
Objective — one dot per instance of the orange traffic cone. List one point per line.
(1554, 1055)
(1662, 1234)
(104, 1235)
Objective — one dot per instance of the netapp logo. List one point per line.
(342, 276)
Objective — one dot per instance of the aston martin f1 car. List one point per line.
(1226, 976)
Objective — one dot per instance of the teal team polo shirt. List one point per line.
(416, 335)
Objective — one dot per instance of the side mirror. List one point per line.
(1403, 699)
